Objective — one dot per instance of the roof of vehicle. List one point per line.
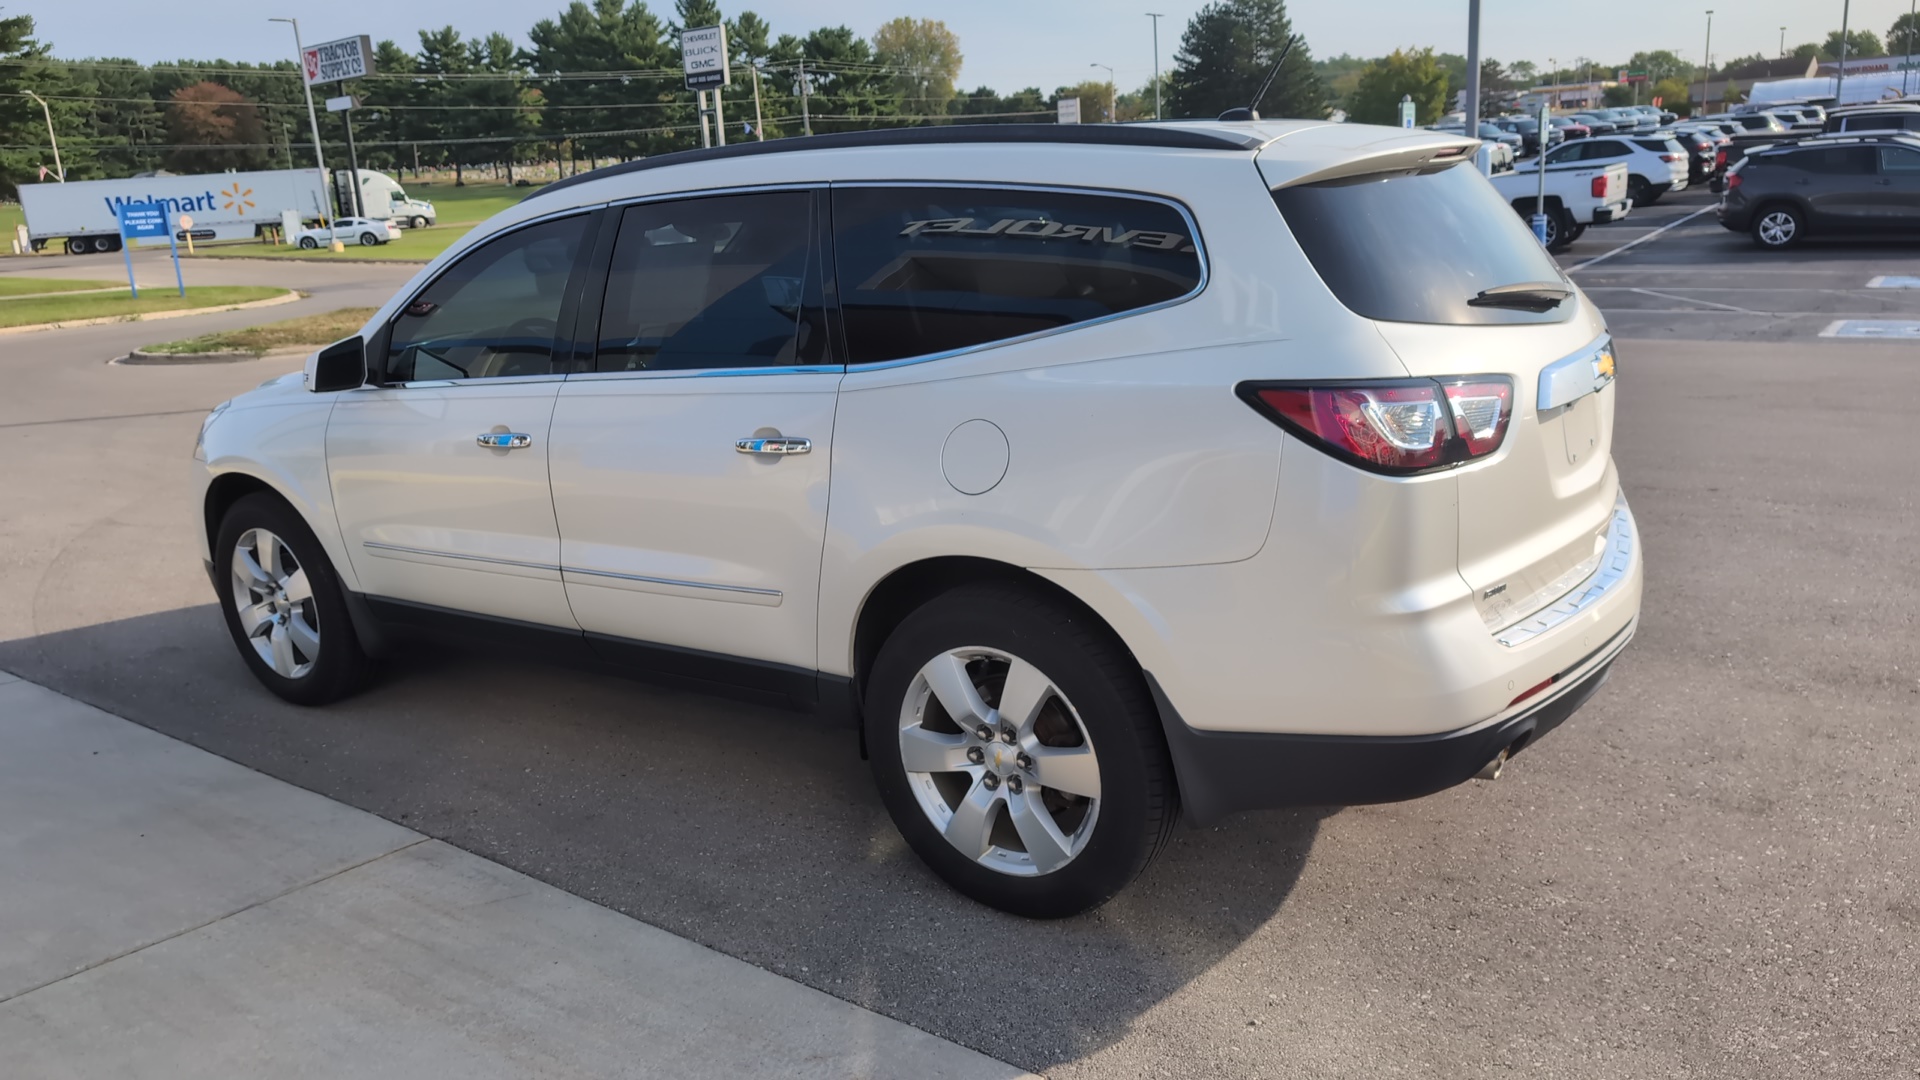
(1322, 143)
(1812, 142)
(1883, 106)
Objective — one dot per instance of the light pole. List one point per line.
(1840, 79)
(1113, 98)
(1706, 61)
(1906, 47)
(1156, 16)
(319, 160)
(1472, 118)
(59, 170)
(1783, 41)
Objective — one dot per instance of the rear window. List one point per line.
(1833, 160)
(1416, 246)
(1660, 146)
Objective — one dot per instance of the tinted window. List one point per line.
(1898, 161)
(726, 282)
(1573, 151)
(1415, 247)
(1834, 160)
(1605, 148)
(493, 313)
(927, 270)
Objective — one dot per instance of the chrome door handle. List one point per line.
(507, 440)
(774, 445)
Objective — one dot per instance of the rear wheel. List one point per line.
(1778, 227)
(1018, 752)
(103, 244)
(77, 245)
(284, 605)
(1637, 188)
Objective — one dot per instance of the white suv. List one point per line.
(1097, 471)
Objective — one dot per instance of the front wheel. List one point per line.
(309, 243)
(1777, 228)
(1018, 752)
(284, 605)
(417, 223)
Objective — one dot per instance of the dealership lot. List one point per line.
(1707, 873)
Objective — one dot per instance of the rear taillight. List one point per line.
(1399, 427)
(1600, 186)
(1733, 181)
(1673, 157)
(1719, 158)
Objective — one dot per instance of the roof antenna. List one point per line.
(1252, 112)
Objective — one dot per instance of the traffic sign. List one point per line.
(142, 221)
(1069, 110)
(703, 57)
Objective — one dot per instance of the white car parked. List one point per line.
(1656, 164)
(1116, 470)
(351, 230)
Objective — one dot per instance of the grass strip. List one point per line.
(49, 309)
(27, 286)
(307, 331)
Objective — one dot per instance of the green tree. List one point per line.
(1093, 95)
(654, 114)
(1809, 51)
(1525, 73)
(1659, 64)
(1860, 43)
(847, 90)
(926, 58)
(1225, 53)
(26, 65)
(1407, 72)
(1675, 94)
(1903, 37)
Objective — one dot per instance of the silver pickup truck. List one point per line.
(1579, 194)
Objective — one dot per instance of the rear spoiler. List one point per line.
(1407, 153)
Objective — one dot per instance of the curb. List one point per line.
(140, 357)
(150, 316)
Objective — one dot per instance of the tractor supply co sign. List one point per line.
(703, 56)
(332, 61)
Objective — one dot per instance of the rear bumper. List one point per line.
(1605, 214)
(1224, 772)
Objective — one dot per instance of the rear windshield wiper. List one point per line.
(1525, 295)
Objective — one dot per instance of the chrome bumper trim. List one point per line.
(1616, 561)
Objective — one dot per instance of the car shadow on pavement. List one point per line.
(751, 830)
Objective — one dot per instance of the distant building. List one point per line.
(1743, 77)
(1564, 96)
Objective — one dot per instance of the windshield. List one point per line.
(1417, 246)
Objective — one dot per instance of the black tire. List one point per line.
(1138, 803)
(367, 239)
(1778, 226)
(77, 245)
(102, 245)
(1637, 188)
(341, 666)
(1559, 229)
(417, 223)
(309, 243)
(1575, 233)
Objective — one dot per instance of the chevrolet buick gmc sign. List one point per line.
(332, 61)
(703, 55)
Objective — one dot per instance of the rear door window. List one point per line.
(1416, 246)
(923, 271)
(1834, 160)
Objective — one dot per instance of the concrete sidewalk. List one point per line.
(168, 913)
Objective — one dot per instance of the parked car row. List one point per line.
(1825, 184)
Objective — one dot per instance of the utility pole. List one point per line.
(59, 170)
(319, 159)
(1156, 17)
(1113, 98)
(1706, 61)
(806, 120)
(759, 128)
(1783, 41)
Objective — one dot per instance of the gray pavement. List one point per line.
(167, 913)
(1707, 873)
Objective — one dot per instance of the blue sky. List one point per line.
(1008, 43)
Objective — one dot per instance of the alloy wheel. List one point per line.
(999, 761)
(275, 603)
(1777, 228)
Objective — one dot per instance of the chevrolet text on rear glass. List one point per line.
(1041, 229)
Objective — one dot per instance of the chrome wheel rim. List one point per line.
(1777, 228)
(999, 761)
(274, 600)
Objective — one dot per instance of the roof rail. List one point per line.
(1082, 134)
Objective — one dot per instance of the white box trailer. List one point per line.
(82, 215)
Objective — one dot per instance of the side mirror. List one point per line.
(340, 366)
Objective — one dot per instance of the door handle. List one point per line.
(778, 444)
(506, 440)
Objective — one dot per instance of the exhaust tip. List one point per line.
(1491, 770)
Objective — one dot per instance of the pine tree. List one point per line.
(1225, 54)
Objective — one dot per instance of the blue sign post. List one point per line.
(145, 221)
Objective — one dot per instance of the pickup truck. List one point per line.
(1579, 194)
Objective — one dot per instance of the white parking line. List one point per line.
(1641, 240)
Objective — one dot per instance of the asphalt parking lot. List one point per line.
(1708, 873)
